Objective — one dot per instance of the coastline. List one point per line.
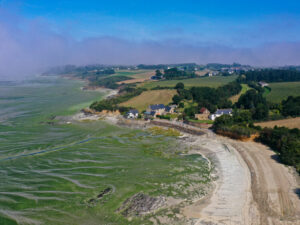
(238, 178)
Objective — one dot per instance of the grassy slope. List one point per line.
(282, 90)
(235, 98)
(290, 123)
(198, 82)
(142, 101)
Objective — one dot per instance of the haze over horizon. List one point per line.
(35, 35)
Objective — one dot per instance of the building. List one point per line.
(203, 114)
(263, 84)
(132, 114)
(213, 73)
(170, 108)
(149, 114)
(220, 112)
(158, 109)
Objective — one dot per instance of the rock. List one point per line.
(140, 204)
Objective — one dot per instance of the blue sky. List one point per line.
(43, 33)
(235, 23)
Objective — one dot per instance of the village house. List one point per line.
(213, 73)
(203, 114)
(132, 114)
(158, 109)
(263, 84)
(170, 108)
(220, 112)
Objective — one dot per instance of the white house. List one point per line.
(263, 84)
(219, 113)
(132, 114)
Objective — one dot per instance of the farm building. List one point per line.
(263, 84)
(132, 114)
(220, 112)
(203, 114)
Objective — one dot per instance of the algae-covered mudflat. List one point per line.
(52, 172)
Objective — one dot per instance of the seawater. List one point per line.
(49, 170)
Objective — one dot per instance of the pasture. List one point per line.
(147, 98)
(282, 90)
(213, 82)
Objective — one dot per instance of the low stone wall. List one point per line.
(200, 125)
(182, 127)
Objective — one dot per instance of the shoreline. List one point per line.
(237, 182)
(244, 190)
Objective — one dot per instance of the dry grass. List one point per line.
(290, 123)
(235, 98)
(202, 72)
(147, 98)
(139, 77)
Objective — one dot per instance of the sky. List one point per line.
(35, 34)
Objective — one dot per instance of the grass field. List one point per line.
(194, 82)
(138, 76)
(142, 101)
(235, 98)
(282, 90)
(290, 123)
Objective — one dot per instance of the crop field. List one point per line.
(235, 98)
(138, 76)
(290, 123)
(132, 73)
(142, 101)
(282, 90)
(213, 82)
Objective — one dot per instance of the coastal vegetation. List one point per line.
(286, 142)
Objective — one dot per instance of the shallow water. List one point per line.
(49, 170)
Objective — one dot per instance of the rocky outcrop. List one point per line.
(141, 204)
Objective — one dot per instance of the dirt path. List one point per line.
(253, 188)
(273, 185)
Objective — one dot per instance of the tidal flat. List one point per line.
(53, 172)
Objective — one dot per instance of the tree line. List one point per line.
(273, 75)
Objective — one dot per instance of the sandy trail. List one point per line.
(273, 185)
(252, 187)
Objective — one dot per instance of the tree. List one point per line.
(179, 85)
(158, 73)
(176, 99)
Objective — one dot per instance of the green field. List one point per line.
(213, 82)
(282, 90)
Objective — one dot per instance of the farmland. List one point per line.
(282, 90)
(290, 123)
(142, 101)
(138, 76)
(213, 82)
(235, 98)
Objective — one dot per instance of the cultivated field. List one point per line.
(142, 101)
(290, 123)
(194, 82)
(138, 76)
(235, 98)
(282, 90)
